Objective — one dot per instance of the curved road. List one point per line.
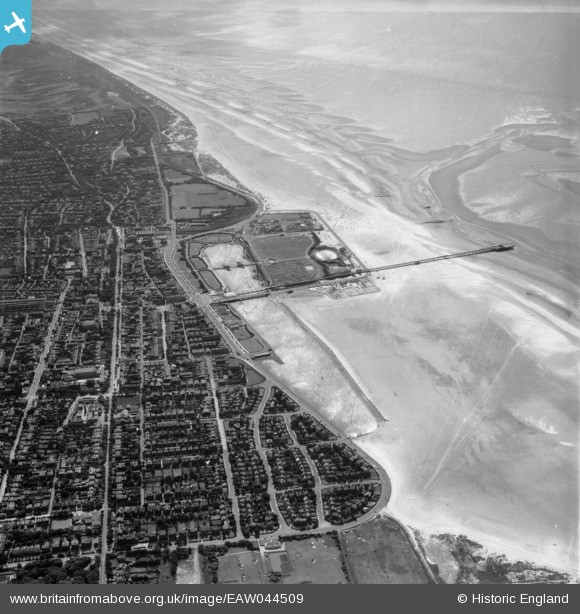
(203, 303)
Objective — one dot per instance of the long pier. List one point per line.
(504, 247)
(247, 296)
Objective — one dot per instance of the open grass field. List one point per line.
(130, 402)
(302, 269)
(278, 247)
(284, 217)
(189, 200)
(84, 117)
(182, 160)
(251, 345)
(253, 378)
(379, 552)
(198, 263)
(314, 561)
(289, 221)
(241, 568)
(165, 576)
(194, 248)
(215, 237)
(211, 280)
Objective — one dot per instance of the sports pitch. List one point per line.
(280, 247)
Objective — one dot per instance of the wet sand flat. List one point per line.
(472, 363)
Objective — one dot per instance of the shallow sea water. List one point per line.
(340, 107)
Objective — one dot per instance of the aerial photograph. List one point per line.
(289, 292)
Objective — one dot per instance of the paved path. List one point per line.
(32, 391)
(226, 457)
(317, 481)
(113, 384)
(283, 526)
(83, 253)
(203, 303)
(141, 413)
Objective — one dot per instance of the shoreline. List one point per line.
(443, 181)
(351, 374)
(490, 546)
(489, 543)
(513, 553)
(198, 150)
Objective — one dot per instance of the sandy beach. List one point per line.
(472, 363)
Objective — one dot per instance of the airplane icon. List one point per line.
(18, 22)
